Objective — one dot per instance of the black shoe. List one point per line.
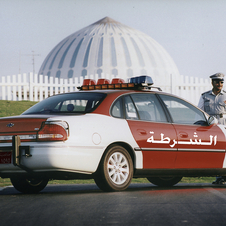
(219, 181)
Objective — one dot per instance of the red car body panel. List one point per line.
(204, 154)
(155, 155)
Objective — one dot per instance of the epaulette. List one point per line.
(206, 92)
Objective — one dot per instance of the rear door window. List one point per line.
(148, 107)
(139, 106)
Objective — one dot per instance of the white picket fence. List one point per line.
(190, 88)
(19, 87)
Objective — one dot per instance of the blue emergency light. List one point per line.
(143, 79)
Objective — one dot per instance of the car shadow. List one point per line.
(92, 188)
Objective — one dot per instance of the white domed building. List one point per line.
(110, 48)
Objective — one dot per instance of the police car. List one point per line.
(111, 132)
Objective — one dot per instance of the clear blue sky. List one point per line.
(192, 31)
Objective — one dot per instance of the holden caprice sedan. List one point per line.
(111, 132)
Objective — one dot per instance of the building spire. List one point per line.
(106, 20)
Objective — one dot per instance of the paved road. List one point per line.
(140, 204)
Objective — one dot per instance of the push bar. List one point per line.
(17, 149)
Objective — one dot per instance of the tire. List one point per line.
(115, 171)
(29, 185)
(164, 181)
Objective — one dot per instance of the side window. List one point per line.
(183, 112)
(116, 110)
(149, 108)
(130, 109)
(123, 105)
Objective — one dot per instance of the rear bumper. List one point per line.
(50, 158)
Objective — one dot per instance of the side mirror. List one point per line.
(212, 120)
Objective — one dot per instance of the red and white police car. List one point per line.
(112, 132)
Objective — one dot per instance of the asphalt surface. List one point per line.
(140, 204)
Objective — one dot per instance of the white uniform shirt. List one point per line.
(214, 104)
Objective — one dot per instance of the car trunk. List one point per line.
(20, 125)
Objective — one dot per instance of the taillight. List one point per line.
(53, 131)
(50, 131)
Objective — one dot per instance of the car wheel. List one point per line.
(115, 171)
(164, 181)
(29, 185)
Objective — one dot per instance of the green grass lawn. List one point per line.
(11, 108)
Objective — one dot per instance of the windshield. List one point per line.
(78, 102)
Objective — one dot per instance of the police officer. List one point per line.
(213, 102)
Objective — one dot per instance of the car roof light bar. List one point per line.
(135, 83)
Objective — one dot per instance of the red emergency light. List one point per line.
(117, 81)
(102, 81)
(89, 82)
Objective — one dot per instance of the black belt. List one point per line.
(221, 114)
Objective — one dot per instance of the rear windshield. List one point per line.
(77, 102)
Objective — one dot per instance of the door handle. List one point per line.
(183, 135)
(142, 132)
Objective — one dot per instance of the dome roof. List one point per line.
(112, 48)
